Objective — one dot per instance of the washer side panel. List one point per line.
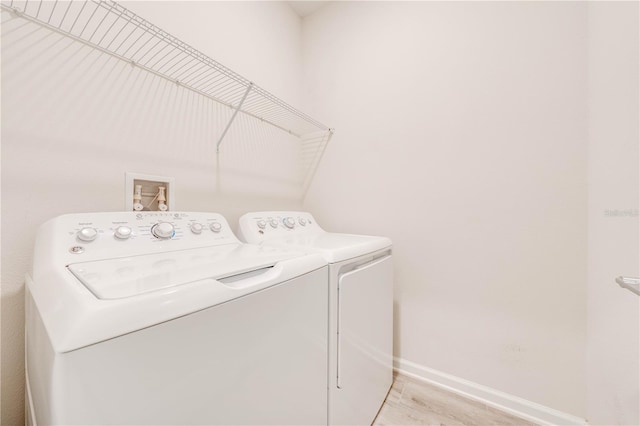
(260, 359)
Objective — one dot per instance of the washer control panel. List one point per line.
(131, 233)
(257, 226)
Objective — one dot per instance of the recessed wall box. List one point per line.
(148, 192)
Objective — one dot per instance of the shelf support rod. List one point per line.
(226, 129)
(314, 167)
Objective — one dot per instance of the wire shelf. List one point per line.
(111, 28)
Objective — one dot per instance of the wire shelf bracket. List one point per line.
(235, 112)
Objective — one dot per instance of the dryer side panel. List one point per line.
(365, 342)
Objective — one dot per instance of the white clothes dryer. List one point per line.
(166, 318)
(360, 307)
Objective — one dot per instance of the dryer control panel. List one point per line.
(116, 234)
(255, 227)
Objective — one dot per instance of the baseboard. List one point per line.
(512, 404)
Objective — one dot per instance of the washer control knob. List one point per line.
(163, 230)
(215, 227)
(122, 232)
(87, 234)
(302, 221)
(289, 222)
(273, 223)
(196, 228)
(261, 224)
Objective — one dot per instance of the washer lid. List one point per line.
(131, 276)
(333, 247)
(90, 302)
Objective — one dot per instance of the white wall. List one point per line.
(613, 339)
(74, 121)
(461, 134)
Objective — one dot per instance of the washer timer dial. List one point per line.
(163, 230)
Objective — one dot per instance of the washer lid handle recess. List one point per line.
(133, 276)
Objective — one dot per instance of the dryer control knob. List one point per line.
(122, 232)
(196, 228)
(261, 224)
(273, 223)
(215, 227)
(87, 234)
(163, 230)
(302, 221)
(289, 222)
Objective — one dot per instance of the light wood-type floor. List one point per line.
(413, 402)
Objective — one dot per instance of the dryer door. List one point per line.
(365, 341)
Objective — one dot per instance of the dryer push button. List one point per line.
(289, 222)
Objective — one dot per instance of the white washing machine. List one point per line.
(360, 307)
(166, 318)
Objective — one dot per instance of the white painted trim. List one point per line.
(512, 404)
